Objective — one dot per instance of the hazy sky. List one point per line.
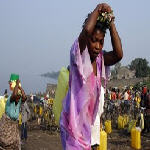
(36, 35)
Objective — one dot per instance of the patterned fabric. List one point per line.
(80, 106)
(9, 134)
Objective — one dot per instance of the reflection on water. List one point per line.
(32, 83)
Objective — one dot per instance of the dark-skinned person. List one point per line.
(147, 113)
(9, 131)
(25, 113)
(83, 104)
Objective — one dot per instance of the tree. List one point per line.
(117, 66)
(114, 71)
(141, 67)
(113, 74)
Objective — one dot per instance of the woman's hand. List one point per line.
(17, 82)
(103, 8)
(24, 97)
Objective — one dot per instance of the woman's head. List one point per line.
(99, 25)
(96, 40)
(10, 86)
(95, 43)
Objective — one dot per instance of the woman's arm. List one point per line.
(112, 57)
(24, 97)
(90, 25)
(15, 91)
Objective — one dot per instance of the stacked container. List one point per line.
(103, 140)
(136, 138)
(108, 128)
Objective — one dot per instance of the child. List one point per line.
(84, 101)
(25, 113)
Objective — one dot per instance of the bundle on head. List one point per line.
(103, 21)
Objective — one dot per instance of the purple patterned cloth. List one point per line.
(80, 105)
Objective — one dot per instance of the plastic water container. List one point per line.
(103, 140)
(35, 109)
(2, 106)
(108, 128)
(126, 119)
(136, 138)
(20, 119)
(41, 111)
(132, 124)
(120, 122)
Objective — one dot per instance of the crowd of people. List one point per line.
(131, 96)
(11, 138)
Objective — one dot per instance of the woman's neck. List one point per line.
(94, 67)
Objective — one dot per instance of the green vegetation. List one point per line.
(141, 67)
(147, 83)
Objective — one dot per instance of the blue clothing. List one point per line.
(24, 131)
(12, 110)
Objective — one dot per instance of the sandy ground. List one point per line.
(45, 140)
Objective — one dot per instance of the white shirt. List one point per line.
(95, 128)
(126, 95)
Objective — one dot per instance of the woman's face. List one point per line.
(95, 43)
(10, 86)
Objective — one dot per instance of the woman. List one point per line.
(9, 132)
(83, 105)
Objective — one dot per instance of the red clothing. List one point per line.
(129, 95)
(144, 90)
(119, 96)
(113, 96)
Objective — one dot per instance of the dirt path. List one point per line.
(43, 140)
(39, 140)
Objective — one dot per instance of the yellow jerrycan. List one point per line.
(132, 124)
(126, 119)
(136, 138)
(35, 109)
(2, 106)
(120, 118)
(41, 111)
(103, 140)
(20, 119)
(108, 128)
(122, 121)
